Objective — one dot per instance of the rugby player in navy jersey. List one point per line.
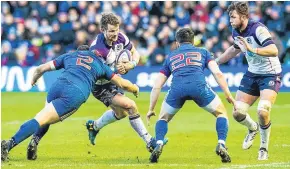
(263, 78)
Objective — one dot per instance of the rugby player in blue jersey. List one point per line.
(263, 78)
(81, 70)
(186, 64)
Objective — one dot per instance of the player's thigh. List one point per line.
(67, 100)
(249, 89)
(122, 101)
(214, 106)
(269, 95)
(47, 115)
(167, 112)
(174, 98)
(106, 93)
(245, 97)
(269, 87)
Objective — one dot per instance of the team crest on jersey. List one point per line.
(249, 40)
(271, 83)
(118, 47)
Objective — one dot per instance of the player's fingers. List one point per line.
(148, 121)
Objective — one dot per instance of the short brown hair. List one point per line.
(184, 35)
(242, 8)
(109, 18)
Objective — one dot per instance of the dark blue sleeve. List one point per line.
(59, 61)
(234, 34)
(165, 69)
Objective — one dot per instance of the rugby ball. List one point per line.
(124, 55)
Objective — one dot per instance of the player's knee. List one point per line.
(121, 114)
(166, 117)
(216, 107)
(220, 111)
(130, 104)
(241, 110)
(264, 108)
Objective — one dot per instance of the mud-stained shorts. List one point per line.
(105, 93)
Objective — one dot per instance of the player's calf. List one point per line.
(264, 108)
(241, 115)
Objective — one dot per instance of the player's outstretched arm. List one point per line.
(40, 70)
(219, 77)
(158, 84)
(125, 84)
(227, 55)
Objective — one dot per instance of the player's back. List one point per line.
(187, 63)
(82, 68)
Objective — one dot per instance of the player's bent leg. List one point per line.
(243, 102)
(94, 126)
(166, 114)
(134, 117)
(47, 115)
(217, 108)
(268, 98)
(32, 146)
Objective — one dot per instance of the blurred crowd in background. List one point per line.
(35, 32)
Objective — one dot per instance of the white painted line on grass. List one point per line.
(274, 165)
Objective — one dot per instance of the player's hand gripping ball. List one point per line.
(123, 58)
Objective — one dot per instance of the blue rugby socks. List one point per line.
(26, 130)
(161, 129)
(222, 129)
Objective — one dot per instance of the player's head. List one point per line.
(110, 26)
(239, 14)
(184, 35)
(83, 47)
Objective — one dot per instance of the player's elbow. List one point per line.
(275, 51)
(272, 50)
(218, 75)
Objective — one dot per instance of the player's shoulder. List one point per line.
(123, 38)
(257, 26)
(98, 46)
(100, 39)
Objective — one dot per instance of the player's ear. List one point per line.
(244, 17)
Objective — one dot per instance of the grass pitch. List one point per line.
(192, 138)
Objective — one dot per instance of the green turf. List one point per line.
(192, 138)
